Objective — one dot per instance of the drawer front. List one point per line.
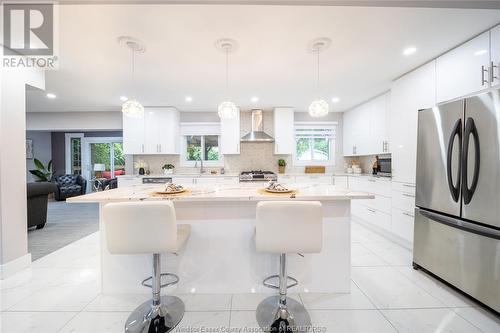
(403, 187)
(402, 200)
(183, 180)
(315, 179)
(129, 181)
(370, 215)
(380, 203)
(370, 184)
(402, 223)
(228, 180)
(286, 179)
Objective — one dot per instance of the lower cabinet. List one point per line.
(182, 180)
(306, 178)
(124, 181)
(392, 209)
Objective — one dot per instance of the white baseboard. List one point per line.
(14, 266)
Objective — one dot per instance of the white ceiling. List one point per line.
(272, 61)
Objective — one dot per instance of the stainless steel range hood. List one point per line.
(257, 134)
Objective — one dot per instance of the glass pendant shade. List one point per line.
(318, 108)
(133, 109)
(227, 110)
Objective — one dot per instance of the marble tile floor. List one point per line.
(61, 293)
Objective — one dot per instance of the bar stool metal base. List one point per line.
(293, 318)
(162, 318)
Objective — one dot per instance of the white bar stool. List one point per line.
(148, 227)
(286, 227)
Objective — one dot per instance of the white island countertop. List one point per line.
(224, 192)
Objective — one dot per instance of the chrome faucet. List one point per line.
(202, 170)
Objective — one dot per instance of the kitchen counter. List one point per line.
(220, 255)
(181, 174)
(247, 191)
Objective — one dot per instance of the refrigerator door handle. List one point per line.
(454, 188)
(460, 224)
(468, 192)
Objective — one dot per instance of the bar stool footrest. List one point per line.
(175, 279)
(266, 282)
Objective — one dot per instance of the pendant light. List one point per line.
(319, 107)
(227, 109)
(132, 108)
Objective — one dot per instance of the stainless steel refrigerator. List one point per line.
(457, 218)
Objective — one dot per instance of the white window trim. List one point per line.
(331, 153)
(67, 149)
(201, 129)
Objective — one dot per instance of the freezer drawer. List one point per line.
(467, 258)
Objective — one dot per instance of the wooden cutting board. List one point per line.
(314, 169)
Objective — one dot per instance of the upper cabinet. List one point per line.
(410, 93)
(365, 128)
(230, 135)
(133, 135)
(465, 69)
(284, 142)
(156, 133)
(495, 55)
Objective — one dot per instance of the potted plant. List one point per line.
(42, 173)
(281, 165)
(168, 169)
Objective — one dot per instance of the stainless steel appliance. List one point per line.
(156, 180)
(457, 218)
(257, 175)
(257, 133)
(385, 167)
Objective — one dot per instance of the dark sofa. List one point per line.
(69, 186)
(38, 194)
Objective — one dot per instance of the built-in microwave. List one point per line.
(385, 167)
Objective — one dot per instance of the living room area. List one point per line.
(63, 160)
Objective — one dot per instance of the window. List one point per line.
(200, 141)
(314, 143)
(204, 147)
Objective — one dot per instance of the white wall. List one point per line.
(73, 121)
(42, 150)
(13, 216)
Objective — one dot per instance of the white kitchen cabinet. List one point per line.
(133, 135)
(365, 130)
(206, 179)
(284, 141)
(378, 140)
(495, 55)
(464, 70)
(314, 179)
(409, 94)
(124, 181)
(155, 133)
(230, 135)
(402, 224)
(286, 179)
(228, 180)
(161, 131)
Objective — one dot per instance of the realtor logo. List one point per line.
(28, 35)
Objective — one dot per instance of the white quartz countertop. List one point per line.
(185, 174)
(224, 192)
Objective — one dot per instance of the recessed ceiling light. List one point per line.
(480, 52)
(51, 95)
(335, 100)
(254, 99)
(188, 99)
(123, 98)
(409, 50)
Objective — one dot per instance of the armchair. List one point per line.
(69, 186)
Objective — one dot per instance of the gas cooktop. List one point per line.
(258, 175)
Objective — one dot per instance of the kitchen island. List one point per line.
(220, 255)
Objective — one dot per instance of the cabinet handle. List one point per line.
(408, 214)
(143, 148)
(371, 210)
(408, 195)
(371, 180)
(483, 71)
(408, 185)
(492, 72)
